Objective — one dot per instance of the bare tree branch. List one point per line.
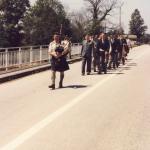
(99, 9)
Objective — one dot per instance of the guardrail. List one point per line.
(21, 57)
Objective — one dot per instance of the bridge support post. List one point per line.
(6, 59)
(31, 55)
(20, 57)
(40, 54)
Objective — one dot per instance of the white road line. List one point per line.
(42, 124)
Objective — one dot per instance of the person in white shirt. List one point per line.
(58, 61)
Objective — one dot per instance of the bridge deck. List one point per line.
(99, 112)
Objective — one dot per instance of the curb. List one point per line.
(23, 73)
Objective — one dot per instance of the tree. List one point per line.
(137, 26)
(114, 31)
(44, 19)
(12, 13)
(99, 10)
(145, 39)
(3, 35)
(79, 23)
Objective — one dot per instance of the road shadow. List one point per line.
(128, 60)
(128, 66)
(108, 72)
(132, 64)
(76, 86)
(125, 68)
(117, 73)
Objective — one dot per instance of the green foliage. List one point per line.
(3, 36)
(95, 27)
(77, 33)
(137, 26)
(43, 20)
(78, 24)
(146, 39)
(11, 15)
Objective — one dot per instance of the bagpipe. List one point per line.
(59, 63)
(59, 50)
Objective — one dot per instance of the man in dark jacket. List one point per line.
(102, 50)
(115, 45)
(86, 53)
(122, 49)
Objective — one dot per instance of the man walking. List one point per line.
(115, 44)
(103, 47)
(86, 53)
(58, 60)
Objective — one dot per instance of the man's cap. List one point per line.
(59, 49)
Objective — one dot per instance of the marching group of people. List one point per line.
(101, 51)
(104, 52)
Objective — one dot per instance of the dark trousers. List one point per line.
(114, 60)
(94, 62)
(101, 62)
(119, 56)
(88, 61)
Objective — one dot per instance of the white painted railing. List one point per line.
(19, 57)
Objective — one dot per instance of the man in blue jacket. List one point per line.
(103, 47)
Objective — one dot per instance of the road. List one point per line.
(96, 112)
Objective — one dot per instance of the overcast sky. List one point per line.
(127, 9)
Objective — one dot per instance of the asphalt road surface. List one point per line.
(96, 112)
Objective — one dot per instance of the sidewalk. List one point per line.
(22, 73)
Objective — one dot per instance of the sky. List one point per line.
(127, 9)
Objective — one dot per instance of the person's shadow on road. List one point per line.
(76, 86)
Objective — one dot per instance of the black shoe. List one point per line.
(99, 72)
(88, 73)
(52, 86)
(83, 74)
(117, 65)
(60, 85)
(123, 62)
(109, 68)
(95, 70)
(105, 70)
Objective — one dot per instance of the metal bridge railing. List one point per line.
(20, 57)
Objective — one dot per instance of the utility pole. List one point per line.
(105, 27)
(120, 17)
(60, 32)
(61, 27)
